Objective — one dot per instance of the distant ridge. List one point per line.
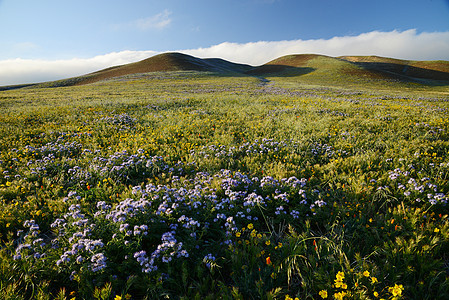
(369, 67)
(308, 68)
(433, 70)
(165, 62)
(315, 66)
(284, 63)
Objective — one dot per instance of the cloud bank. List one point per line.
(405, 45)
(19, 71)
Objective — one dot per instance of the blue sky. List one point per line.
(57, 39)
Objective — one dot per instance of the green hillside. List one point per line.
(363, 72)
(207, 184)
(357, 72)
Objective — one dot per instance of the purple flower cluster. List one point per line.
(190, 210)
(121, 121)
(53, 150)
(98, 262)
(421, 189)
(165, 252)
(325, 151)
(267, 148)
(122, 166)
(32, 245)
(264, 146)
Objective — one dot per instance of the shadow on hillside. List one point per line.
(409, 73)
(14, 87)
(280, 70)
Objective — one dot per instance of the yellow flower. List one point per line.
(340, 276)
(376, 294)
(396, 290)
(323, 294)
(338, 283)
(127, 296)
(250, 226)
(238, 234)
(268, 243)
(374, 280)
(118, 297)
(436, 230)
(339, 296)
(366, 273)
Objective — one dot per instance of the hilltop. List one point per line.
(304, 68)
(321, 68)
(167, 62)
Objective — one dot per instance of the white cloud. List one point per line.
(18, 71)
(158, 21)
(406, 45)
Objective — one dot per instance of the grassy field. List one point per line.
(186, 185)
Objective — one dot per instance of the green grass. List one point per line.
(337, 73)
(230, 187)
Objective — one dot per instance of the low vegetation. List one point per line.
(190, 185)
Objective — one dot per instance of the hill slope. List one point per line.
(430, 70)
(164, 62)
(310, 69)
(167, 62)
(359, 70)
(319, 68)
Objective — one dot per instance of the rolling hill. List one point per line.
(321, 68)
(165, 62)
(306, 68)
(429, 70)
(313, 65)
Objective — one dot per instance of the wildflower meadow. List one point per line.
(188, 185)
